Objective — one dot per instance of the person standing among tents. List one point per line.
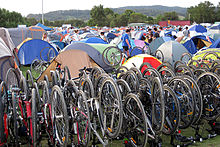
(179, 35)
(76, 35)
(102, 36)
(45, 37)
(162, 32)
(156, 33)
(126, 43)
(186, 33)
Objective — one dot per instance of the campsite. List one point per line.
(120, 77)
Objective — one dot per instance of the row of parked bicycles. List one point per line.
(133, 105)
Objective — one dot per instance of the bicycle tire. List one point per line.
(123, 88)
(94, 74)
(24, 88)
(106, 57)
(185, 71)
(156, 56)
(191, 62)
(209, 101)
(198, 97)
(87, 87)
(136, 132)
(165, 64)
(144, 66)
(185, 54)
(157, 124)
(131, 78)
(47, 80)
(139, 48)
(66, 75)
(41, 57)
(49, 56)
(177, 62)
(166, 74)
(98, 83)
(14, 80)
(34, 118)
(54, 78)
(203, 65)
(114, 129)
(137, 71)
(29, 79)
(150, 73)
(85, 134)
(188, 101)
(4, 108)
(214, 63)
(61, 136)
(172, 117)
(216, 69)
(210, 53)
(15, 125)
(36, 68)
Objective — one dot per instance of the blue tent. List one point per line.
(91, 51)
(60, 44)
(44, 27)
(110, 36)
(93, 40)
(196, 43)
(198, 28)
(31, 50)
(216, 44)
(215, 27)
(155, 44)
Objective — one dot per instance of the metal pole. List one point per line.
(42, 11)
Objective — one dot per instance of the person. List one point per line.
(102, 35)
(179, 35)
(186, 33)
(76, 35)
(162, 32)
(156, 34)
(45, 37)
(126, 43)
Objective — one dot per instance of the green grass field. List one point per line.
(212, 142)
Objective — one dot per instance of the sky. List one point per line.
(26, 7)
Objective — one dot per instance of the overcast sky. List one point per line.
(26, 7)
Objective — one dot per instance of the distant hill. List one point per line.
(85, 14)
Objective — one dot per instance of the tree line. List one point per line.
(204, 12)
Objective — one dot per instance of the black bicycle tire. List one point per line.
(91, 87)
(167, 70)
(184, 54)
(29, 77)
(48, 55)
(54, 78)
(125, 84)
(186, 67)
(137, 71)
(16, 76)
(162, 55)
(117, 131)
(65, 114)
(177, 105)
(145, 64)
(210, 53)
(157, 74)
(15, 125)
(141, 110)
(33, 70)
(165, 64)
(176, 63)
(135, 78)
(95, 70)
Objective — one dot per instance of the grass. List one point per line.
(212, 142)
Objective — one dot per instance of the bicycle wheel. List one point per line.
(184, 70)
(87, 87)
(47, 80)
(165, 65)
(98, 83)
(198, 97)
(166, 74)
(136, 51)
(205, 57)
(33, 119)
(177, 63)
(113, 56)
(204, 66)
(186, 100)
(144, 66)
(54, 78)
(198, 72)
(137, 72)
(215, 63)
(194, 63)
(121, 71)
(131, 78)
(46, 52)
(14, 125)
(123, 88)
(136, 130)
(4, 112)
(111, 105)
(96, 71)
(172, 111)
(159, 55)
(186, 57)
(11, 78)
(216, 69)
(158, 106)
(150, 73)
(209, 86)
(66, 75)
(51, 55)
(36, 68)
(60, 118)
(81, 110)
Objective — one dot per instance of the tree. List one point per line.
(98, 15)
(137, 17)
(203, 12)
(218, 12)
(170, 16)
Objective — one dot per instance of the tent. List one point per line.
(44, 27)
(20, 34)
(91, 51)
(4, 34)
(110, 37)
(6, 61)
(93, 40)
(197, 29)
(142, 58)
(87, 35)
(32, 49)
(155, 44)
(216, 44)
(74, 59)
(172, 51)
(215, 28)
(197, 42)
